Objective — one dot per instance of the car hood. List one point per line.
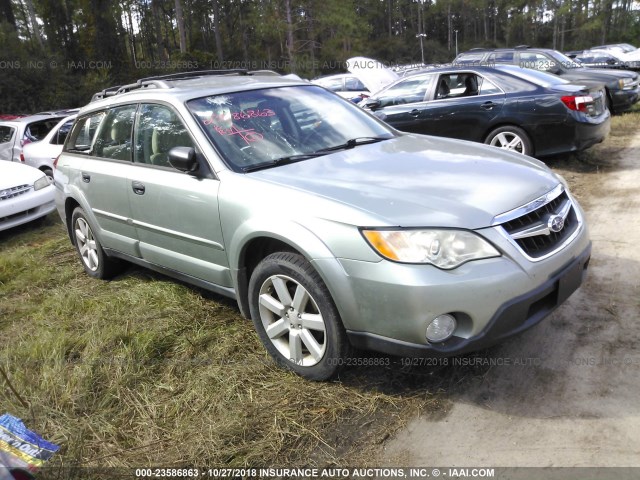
(373, 74)
(598, 74)
(415, 180)
(13, 174)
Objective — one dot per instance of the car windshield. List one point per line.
(537, 77)
(277, 125)
(565, 61)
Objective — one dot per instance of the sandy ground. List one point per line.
(574, 399)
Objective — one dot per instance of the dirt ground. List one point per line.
(565, 393)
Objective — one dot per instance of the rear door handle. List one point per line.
(415, 112)
(138, 188)
(488, 105)
(86, 178)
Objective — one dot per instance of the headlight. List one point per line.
(41, 183)
(626, 83)
(445, 249)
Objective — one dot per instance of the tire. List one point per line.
(48, 172)
(95, 262)
(510, 138)
(289, 300)
(609, 103)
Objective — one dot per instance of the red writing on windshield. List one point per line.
(248, 135)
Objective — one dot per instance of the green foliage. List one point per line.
(97, 43)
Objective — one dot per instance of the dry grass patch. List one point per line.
(143, 370)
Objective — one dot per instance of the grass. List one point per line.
(145, 371)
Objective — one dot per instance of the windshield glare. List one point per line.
(253, 127)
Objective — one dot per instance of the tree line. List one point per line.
(57, 53)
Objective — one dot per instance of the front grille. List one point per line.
(8, 193)
(26, 213)
(531, 231)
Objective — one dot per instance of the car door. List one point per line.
(463, 105)
(102, 143)
(175, 214)
(402, 104)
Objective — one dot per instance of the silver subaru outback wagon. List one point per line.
(331, 229)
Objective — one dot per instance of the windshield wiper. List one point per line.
(283, 161)
(353, 142)
(318, 153)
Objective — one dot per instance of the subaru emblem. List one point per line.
(555, 223)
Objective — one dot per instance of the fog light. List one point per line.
(441, 328)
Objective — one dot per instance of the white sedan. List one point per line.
(26, 194)
(42, 154)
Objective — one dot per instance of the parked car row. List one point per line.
(29, 146)
(534, 101)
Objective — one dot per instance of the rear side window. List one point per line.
(537, 61)
(61, 135)
(84, 132)
(114, 135)
(36, 131)
(6, 134)
(501, 57)
(353, 84)
(474, 58)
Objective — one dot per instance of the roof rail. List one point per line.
(521, 47)
(196, 73)
(476, 49)
(160, 81)
(107, 92)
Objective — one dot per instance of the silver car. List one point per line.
(43, 153)
(331, 229)
(15, 134)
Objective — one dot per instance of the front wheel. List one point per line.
(510, 138)
(295, 316)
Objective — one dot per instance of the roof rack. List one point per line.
(521, 47)
(107, 92)
(196, 73)
(160, 81)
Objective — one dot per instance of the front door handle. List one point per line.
(488, 105)
(86, 178)
(415, 112)
(138, 188)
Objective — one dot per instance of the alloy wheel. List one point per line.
(87, 244)
(292, 320)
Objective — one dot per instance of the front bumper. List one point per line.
(623, 100)
(27, 207)
(511, 318)
(387, 306)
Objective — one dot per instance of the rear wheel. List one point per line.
(295, 316)
(510, 138)
(95, 262)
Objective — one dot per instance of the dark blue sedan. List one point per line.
(530, 112)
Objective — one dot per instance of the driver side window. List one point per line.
(158, 130)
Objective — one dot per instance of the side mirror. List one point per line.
(183, 159)
(611, 61)
(372, 103)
